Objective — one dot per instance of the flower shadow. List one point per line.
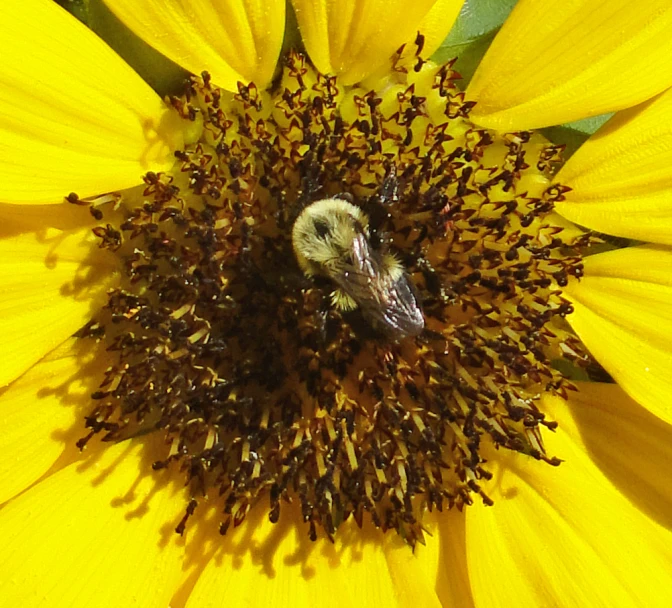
(279, 551)
(630, 445)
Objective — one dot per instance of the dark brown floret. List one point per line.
(266, 392)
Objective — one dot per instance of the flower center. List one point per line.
(279, 373)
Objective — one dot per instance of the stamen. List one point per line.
(264, 389)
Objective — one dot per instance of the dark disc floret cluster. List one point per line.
(268, 393)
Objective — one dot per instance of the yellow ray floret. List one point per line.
(452, 583)
(313, 573)
(604, 553)
(234, 40)
(52, 282)
(42, 412)
(556, 61)
(622, 314)
(437, 23)
(614, 428)
(93, 534)
(621, 178)
(353, 37)
(74, 115)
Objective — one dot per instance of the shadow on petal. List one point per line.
(631, 446)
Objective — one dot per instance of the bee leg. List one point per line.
(389, 189)
(327, 324)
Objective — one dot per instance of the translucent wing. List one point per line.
(385, 295)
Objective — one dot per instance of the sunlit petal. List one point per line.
(437, 23)
(564, 536)
(75, 117)
(416, 573)
(234, 40)
(621, 178)
(263, 564)
(622, 314)
(97, 533)
(353, 37)
(52, 282)
(557, 61)
(452, 581)
(20, 219)
(40, 411)
(632, 447)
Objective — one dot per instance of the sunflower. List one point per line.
(196, 421)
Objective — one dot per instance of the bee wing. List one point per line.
(402, 316)
(389, 303)
(359, 273)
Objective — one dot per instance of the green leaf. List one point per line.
(573, 134)
(477, 18)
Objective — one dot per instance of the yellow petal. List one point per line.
(234, 40)
(564, 536)
(632, 447)
(415, 574)
(437, 23)
(43, 411)
(75, 117)
(264, 564)
(52, 282)
(352, 38)
(622, 314)
(556, 61)
(19, 219)
(452, 581)
(621, 178)
(94, 534)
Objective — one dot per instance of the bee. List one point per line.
(331, 238)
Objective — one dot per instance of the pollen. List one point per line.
(264, 389)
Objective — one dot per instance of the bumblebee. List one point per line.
(331, 238)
